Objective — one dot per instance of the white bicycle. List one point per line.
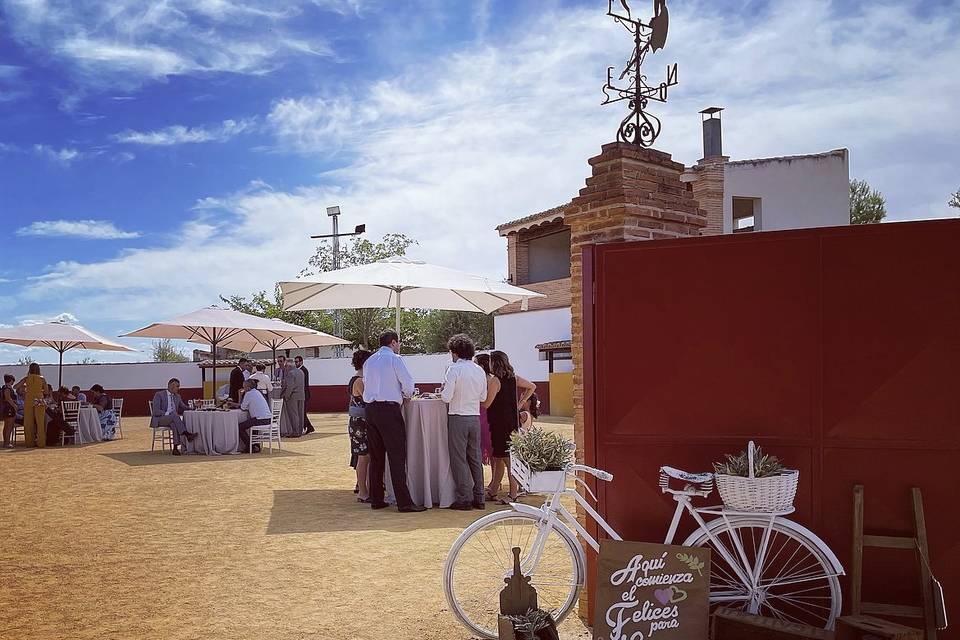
(762, 563)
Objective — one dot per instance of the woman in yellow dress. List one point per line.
(33, 388)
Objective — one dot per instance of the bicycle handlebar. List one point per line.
(597, 473)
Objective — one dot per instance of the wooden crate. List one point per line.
(729, 624)
(868, 627)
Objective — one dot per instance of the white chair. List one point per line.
(18, 429)
(71, 418)
(118, 411)
(267, 433)
(163, 434)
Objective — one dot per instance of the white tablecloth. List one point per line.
(218, 432)
(428, 455)
(90, 430)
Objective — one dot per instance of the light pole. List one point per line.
(334, 214)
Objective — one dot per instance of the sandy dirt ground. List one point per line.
(111, 541)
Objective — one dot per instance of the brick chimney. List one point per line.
(708, 176)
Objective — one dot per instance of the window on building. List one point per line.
(746, 214)
(548, 257)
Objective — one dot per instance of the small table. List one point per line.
(89, 422)
(218, 432)
(429, 478)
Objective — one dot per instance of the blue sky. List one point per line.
(155, 155)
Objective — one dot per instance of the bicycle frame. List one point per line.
(553, 513)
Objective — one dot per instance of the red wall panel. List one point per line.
(835, 348)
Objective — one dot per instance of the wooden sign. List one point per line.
(651, 591)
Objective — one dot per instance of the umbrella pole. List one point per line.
(60, 370)
(398, 313)
(213, 344)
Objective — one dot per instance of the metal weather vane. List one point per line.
(640, 126)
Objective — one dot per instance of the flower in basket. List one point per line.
(542, 450)
(764, 465)
(535, 624)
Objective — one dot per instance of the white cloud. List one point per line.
(86, 229)
(64, 156)
(179, 134)
(125, 42)
(498, 132)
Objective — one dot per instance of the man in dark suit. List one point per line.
(237, 378)
(168, 410)
(298, 363)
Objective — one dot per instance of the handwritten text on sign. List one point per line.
(651, 591)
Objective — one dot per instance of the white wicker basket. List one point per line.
(536, 481)
(773, 493)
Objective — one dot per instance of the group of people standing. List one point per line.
(37, 406)
(487, 402)
(293, 381)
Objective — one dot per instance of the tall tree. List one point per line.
(867, 206)
(165, 351)
(438, 326)
(955, 199)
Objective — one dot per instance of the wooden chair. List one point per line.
(71, 417)
(163, 434)
(267, 433)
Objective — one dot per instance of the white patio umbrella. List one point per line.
(401, 283)
(58, 335)
(250, 344)
(216, 326)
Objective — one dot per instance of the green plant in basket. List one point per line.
(764, 465)
(542, 450)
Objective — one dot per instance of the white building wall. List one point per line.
(518, 334)
(154, 375)
(797, 193)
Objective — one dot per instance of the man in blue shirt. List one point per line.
(386, 382)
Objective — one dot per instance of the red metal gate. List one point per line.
(837, 349)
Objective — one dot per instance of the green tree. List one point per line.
(438, 326)
(25, 360)
(165, 351)
(87, 360)
(867, 206)
(955, 199)
(260, 304)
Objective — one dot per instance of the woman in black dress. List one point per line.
(503, 414)
(357, 426)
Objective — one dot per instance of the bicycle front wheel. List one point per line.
(786, 574)
(482, 558)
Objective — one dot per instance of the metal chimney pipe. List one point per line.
(712, 132)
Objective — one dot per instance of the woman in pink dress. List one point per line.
(493, 385)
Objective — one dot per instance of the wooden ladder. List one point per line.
(916, 543)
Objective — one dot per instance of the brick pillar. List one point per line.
(708, 189)
(633, 194)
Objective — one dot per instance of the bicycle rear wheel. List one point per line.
(795, 582)
(482, 558)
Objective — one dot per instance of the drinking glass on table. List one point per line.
(416, 392)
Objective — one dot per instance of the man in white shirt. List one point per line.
(263, 380)
(386, 382)
(464, 388)
(255, 404)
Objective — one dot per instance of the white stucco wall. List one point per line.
(797, 193)
(154, 375)
(517, 334)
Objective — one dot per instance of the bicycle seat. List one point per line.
(686, 476)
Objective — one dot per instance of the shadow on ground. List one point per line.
(326, 510)
(148, 458)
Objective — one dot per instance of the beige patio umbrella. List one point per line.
(216, 326)
(58, 335)
(401, 283)
(249, 344)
